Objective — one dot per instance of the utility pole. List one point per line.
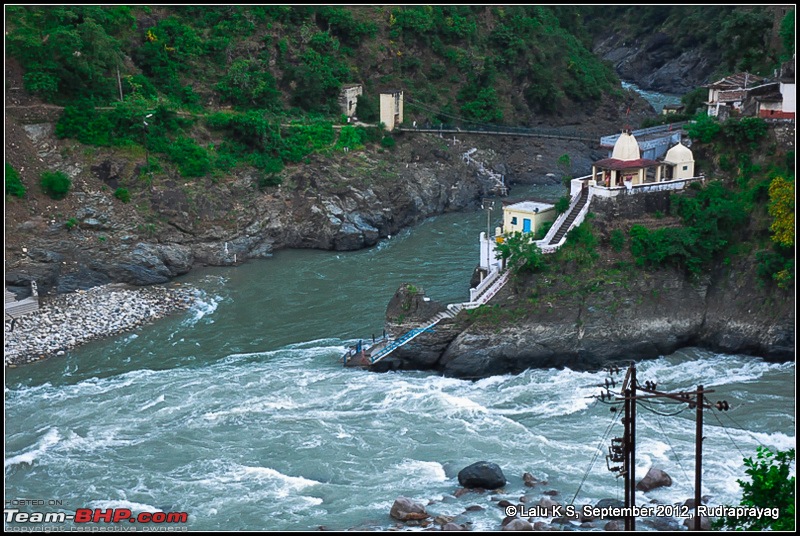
(624, 449)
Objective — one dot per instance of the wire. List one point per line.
(729, 435)
(596, 453)
(645, 406)
(686, 476)
(725, 428)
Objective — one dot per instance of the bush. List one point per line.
(122, 194)
(562, 205)
(617, 240)
(388, 142)
(771, 486)
(704, 128)
(14, 185)
(56, 184)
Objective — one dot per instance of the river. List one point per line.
(239, 412)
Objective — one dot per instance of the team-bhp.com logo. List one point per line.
(97, 515)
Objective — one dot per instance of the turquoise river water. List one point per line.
(239, 412)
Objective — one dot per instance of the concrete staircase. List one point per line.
(567, 223)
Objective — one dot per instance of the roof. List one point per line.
(737, 81)
(615, 164)
(732, 95)
(529, 206)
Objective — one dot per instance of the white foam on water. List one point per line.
(50, 438)
(149, 405)
(422, 471)
(204, 305)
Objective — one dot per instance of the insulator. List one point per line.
(722, 405)
(613, 383)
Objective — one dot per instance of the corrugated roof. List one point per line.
(736, 81)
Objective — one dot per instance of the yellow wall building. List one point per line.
(527, 216)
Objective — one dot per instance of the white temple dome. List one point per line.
(679, 154)
(626, 148)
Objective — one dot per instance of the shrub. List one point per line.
(70, 223)
(56, 184)
(617, 240)
(122, 194)
(14, 185)
(562, 205)
(771, 486)
(704, 128)
(388, 142)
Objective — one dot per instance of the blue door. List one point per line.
(526, 225)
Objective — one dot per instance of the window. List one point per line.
(514, 220)
(685, 168)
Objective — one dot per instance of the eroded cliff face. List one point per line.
(609, 311)
(637, 316)
(654, 62)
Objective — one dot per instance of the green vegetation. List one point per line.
(521, 253)
(770, 486)
(14, 185)
(122, 194)
(56, 184)
(71, 223)
(562, 205)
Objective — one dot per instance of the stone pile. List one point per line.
(68, 320)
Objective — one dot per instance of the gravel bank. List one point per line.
(68, 320)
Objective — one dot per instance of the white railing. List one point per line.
(557, 224)
(614, 191)
(551, 248)
(483, 285)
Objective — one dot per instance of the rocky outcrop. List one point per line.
(647, 314)
(654, 62)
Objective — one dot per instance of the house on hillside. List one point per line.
(727, 96)
(753, 96)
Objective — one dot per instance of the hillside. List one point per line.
(209, 135)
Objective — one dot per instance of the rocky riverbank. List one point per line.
(69, 320)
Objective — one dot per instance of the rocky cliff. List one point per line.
(611, 311)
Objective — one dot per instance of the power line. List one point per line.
(597, 451)
(677, 459)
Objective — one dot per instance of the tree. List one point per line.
(522, 253)
(771, 487)
(781, 208)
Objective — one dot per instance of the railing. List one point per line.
(614, 191)
(560, 220)
(397, 343)
(551, 248)
(483, 285)
(564, 133)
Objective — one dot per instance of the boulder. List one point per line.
(453, 526)
(655, 478)
(518, 524)
(404, 509)
(485, 475)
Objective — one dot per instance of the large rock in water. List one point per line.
(404, 509)
(655, 478)
(485, 475)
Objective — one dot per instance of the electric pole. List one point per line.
(623, 449)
